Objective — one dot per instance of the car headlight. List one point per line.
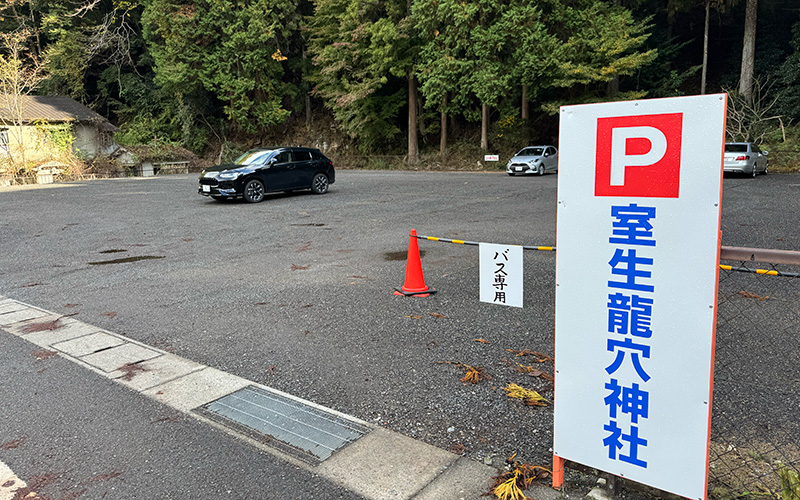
(228, 176)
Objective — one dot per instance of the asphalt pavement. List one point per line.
(295, 293)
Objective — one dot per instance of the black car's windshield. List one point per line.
(253, 157)
(531, 152)
(736, 148)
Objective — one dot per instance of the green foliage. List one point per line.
(465, 48)
(789, 75)
(67, 64)
(784, 149)
(230, 48)
(598, 42)
(363, 52)
(57, 135)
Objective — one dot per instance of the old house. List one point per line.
(35, 129)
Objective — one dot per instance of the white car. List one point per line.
(534, 160)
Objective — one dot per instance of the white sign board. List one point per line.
(501, 274)
(639, 188)
(491, 158)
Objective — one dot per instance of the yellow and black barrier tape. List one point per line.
(476, 243)
(553, 249)
(759, 271)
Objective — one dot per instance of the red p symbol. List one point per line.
(639, 156)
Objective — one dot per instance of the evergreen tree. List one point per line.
(232, 49)
(362, 52)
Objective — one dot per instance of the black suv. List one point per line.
(261, 171)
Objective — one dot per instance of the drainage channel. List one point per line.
(307, 433)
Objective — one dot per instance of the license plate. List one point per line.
(206, 188)
(518, 169)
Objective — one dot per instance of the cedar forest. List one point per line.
(413, 79)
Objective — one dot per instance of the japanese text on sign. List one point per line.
(501, 274)
(629, 315)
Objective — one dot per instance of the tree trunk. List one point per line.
(705, 50)
(484, 127)
(612, 89)
(524, 102)
(308, 111)
(413, 146)
(443, 135)
(307, 98)
(748, 51)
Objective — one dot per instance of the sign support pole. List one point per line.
(558, 471)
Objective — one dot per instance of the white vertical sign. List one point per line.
(639, 193)
(501, 274)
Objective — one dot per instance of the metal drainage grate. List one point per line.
(303, 431)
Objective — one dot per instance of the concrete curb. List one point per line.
(382, 465)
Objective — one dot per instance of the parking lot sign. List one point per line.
(638, 233)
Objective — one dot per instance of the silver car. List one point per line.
(745, 158)
(534, 160)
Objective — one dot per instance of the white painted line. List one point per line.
(9, 483)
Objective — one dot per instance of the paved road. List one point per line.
(295, 292)
(70, 433)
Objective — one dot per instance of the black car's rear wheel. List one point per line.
(253, 191)
(319, 185)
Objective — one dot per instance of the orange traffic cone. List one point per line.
(415, 281)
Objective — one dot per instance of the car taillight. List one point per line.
(742, 158)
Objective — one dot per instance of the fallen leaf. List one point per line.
(304, 248)
(474, 374)
(540, 358)
(748, 295)
(437, 315)
(72, 305)
(110, 314)
(482, 341)
(41, 327)
(13, 444)
(130, 370)
(413, 317)
(528, 397)
(295, 267)
(112, 475)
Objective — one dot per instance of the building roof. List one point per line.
(53, 109)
